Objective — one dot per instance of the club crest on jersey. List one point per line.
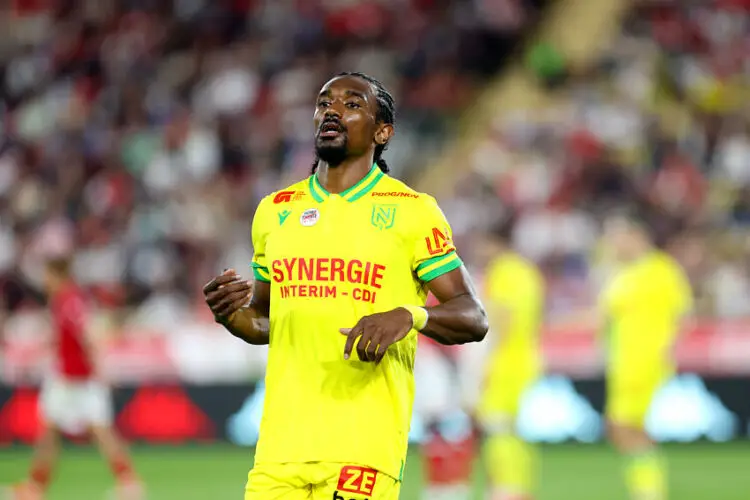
(309, 217)
(383, 216)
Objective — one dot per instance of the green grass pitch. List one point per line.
(570, 472)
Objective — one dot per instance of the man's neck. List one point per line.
(340, 178)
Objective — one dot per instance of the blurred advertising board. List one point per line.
(196, 383)
(558, 409)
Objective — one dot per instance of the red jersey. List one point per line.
(69, 318)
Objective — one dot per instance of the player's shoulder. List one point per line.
(299, 191)
(514, 264)
(666, 262)
(391, 189)
(72, 296)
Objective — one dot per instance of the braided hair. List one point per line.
(386, 113)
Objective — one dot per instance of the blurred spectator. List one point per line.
(659, 122)
(139, 136)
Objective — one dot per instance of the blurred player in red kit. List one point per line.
(74, 399)
(450, 446)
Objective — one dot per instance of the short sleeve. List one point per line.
(433, 251)
(261, 228)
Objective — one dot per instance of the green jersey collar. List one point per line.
(354, 193)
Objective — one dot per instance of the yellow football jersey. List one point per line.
(516, 285)
(644, 304)
(331, 259)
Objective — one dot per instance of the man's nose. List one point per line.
(333, 111)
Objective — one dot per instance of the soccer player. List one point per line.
(643, 305)
(343, 263)
(514, 294)
(74, 399)
(448, 448)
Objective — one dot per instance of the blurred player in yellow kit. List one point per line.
(514, 295)
(343, 263)
(643, 307)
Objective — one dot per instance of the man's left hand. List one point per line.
(377, 333)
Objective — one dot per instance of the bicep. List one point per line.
(452, 284)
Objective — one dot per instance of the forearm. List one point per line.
(249, 324)
(459, 320)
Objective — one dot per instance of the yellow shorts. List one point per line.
(628, 402)
(503, 391)
(319, 481)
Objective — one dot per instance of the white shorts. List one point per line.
(74, 406)
(437, 390)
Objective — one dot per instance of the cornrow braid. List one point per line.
(386, 113)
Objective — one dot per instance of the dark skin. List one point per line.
(350, 104)
(348, 130)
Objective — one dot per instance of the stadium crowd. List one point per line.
(139, 136)
(660, 122)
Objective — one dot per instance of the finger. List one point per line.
(213, 298)
(380, 353)
(235, 286)
(362, 344)
(371, 349)
(229, 310)
(239, 297)
(235, 301)
(351, 337)
(218, 282)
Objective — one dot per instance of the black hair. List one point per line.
(386, 113)
(60, 266)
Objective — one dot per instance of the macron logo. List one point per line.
(283, 214)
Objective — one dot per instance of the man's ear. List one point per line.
(384, 133)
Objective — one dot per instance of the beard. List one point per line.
(332, 152)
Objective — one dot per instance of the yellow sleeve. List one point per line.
(433, 252)
(261, 228)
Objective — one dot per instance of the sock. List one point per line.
(40, 475)
(646, 476)
(512, 466)
(122, 469)
(448, 466)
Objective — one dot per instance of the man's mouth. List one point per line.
(330, 130)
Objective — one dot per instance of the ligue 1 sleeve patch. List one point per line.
(309, 217)
(356, 479)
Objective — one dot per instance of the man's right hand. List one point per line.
(226, 294)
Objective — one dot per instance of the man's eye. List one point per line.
(323, 104)
(353, 105)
